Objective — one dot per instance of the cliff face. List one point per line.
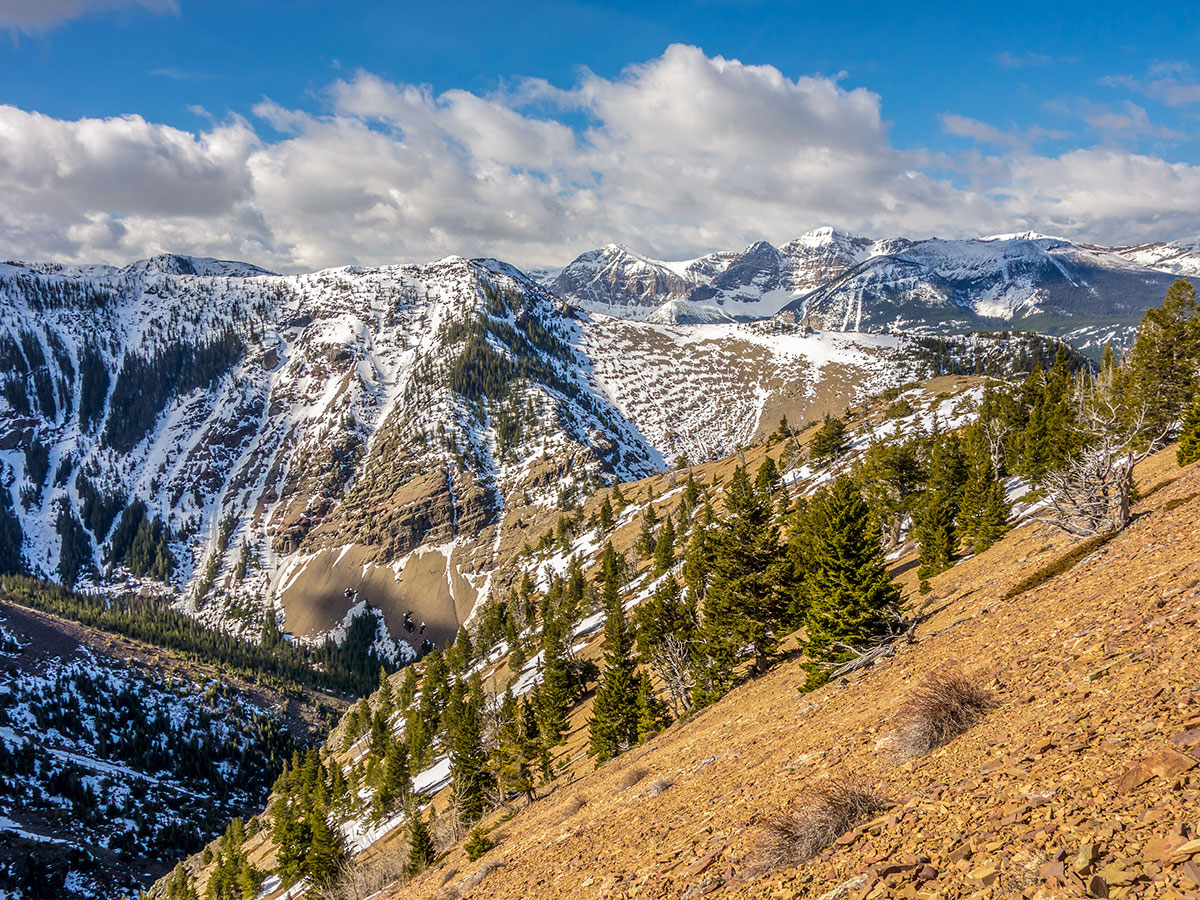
(1084, 780)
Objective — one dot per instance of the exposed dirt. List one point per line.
(1085, 781)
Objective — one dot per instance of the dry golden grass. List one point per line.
(823, 813)
(938, 710)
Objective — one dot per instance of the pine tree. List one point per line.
(666, 635)
(664, 547)
(326, 852)
(1189, 436)
(468, 761)
(421, 851)
(652, 712)
(850, 591)
(983, 512)
(936, 532)
(829, 442)
(606, 519)
(513, 757)
(1164, 365)
(743, 605)
(395, 785)
(556, 694)
(612, 728)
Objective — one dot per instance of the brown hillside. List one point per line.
(1085, 780)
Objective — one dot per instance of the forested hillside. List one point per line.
(655, 599)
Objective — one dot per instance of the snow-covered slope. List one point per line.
(856, 283)
(1048, 284)
(235, 439)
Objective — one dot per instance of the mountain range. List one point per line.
(310, 446)
(846, 282)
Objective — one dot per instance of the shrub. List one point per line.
(630, 777)
(478, 843)
(942, 707)
(357, 880)
(658, 785)
(823, 813)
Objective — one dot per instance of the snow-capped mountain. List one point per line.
(849, 283)
(355, 436)
(1037, 282)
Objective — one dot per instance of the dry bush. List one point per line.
(939, 709)
(359, 880)
(823, 813)
(658, 785)
(630, 777)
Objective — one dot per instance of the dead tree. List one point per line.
(671, 661)
(1090, 495)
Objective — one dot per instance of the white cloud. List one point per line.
(32, 16)
(678, 155)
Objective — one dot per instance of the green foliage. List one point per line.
(142, 544)
(829, 442)
(478, 843)
(612, 728)
(420, 844)
(935, 529)
(12, 562)
(350, 667)
(850, 592)
(146, 383)
(652, 712)
(743, 603)
(1164, 365)
(1189, 435)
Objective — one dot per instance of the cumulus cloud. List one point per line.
(32, 16)
(677, 155)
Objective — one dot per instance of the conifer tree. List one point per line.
(743, 605)
(935, 530)
(983, 511)
(612, 728)
(850, 592)
(830, 441)
(664, 547)
(326, 851)
(666, 638)
(420, 844)
(515, 753)
(1189, 436)
(652, 712)
(468, 761)
(1164, 365)
(606, 520)
(555, 695)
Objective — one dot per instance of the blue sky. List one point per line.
(226, 128)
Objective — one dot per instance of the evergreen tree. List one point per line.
(652, 712)
(606, 520)
(666, 635)
(1189, 436)
(468, 761)
(743, 605)
(421, 851)
(1164, 365)
(936, 532)
(983, 511)
(326, 852)
(829, 442)
(612, 728)
(850, 592)
(515, 753)
(664, 547)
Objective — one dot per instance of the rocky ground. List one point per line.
(1085, 781)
